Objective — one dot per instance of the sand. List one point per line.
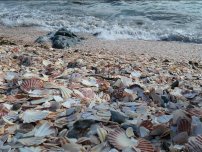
(170, 50)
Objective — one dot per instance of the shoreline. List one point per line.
(177, 51)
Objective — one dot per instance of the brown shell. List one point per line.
(145, 146)
(147, 124)
(183, 125)
(118, 93)
(119, 139)
(195, 144)
(195, 112)
(159, 130)
(3, 111)
(31, 84)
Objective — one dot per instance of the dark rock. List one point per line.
(25, 60)
(16, 106)
(117, 117)
(175, 84)
(60, 39)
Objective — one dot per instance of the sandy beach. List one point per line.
(99, 96)
(171, 50)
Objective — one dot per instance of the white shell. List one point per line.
(31, 141)
(43, 100)
(44, 130)
(135, 74)
(144, 132)
(30, 149)
(58, 98)
(164, 118)
(91, 82)
(33, 115)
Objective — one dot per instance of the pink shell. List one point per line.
(145, 146)
(147, 124)
(31, 84)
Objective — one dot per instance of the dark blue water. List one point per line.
(179, 20)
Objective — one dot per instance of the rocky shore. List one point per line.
(92, 98)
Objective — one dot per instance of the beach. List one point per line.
(99, 95)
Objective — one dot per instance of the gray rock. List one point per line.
(60, 39)
(117, 117)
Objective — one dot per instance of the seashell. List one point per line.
(195, 144)
(166, 133)
(26, 127)
(158, 130)
(147, 124)
(31, 84)
(117, 117)
(31, 141)
(88, 93)
(129, 132)
(2, 129)
(135, 74)
(30, 149)
(179, 114)
(144, 145)
(66, 93)
(91, 82)
(164, 118)
(102, 134)
(72, 147)
(177, 148)
(118, 93)
(181, 138)
(183, 125)
(44, 130)
(39, 101)
(144, 132)
(103, 115)
(195, 112)
(33, 115)
(119, 139)
(103, 147)
(126, 81)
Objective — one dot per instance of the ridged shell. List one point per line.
(195, 112)
(195, 144)
(158, 130)
(183, 125)
(119, 139)
(66, 93)
(33, 115)
(31, 84)
(147, 124)
(145, 146)
(102, 134)
(44, 130)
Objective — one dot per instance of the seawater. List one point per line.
(168, 20)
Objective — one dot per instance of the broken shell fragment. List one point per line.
(33, 115)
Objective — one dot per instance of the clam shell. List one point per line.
(183, 125)
(195, 112)
(119, 139)
(66, 93)
(158, 130)
(31, 141)
(31, 84)
(33, 115)
(103, 115)
(102, 134)
(145, 146)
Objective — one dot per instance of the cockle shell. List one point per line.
(119, 139)
(33, 115)
(31, 84)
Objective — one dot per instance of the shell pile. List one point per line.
(98, 102)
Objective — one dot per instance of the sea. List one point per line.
(165, 20)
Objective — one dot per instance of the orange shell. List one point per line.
(147, 124)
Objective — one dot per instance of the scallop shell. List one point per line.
(145, 146)
(147, 124)
(119, 139)
(102, 134)
(103, 115)
(31, 84)
(33, 115)
(183, 125)
(66, 93)
(158, 130)
(195, 112)
(195, 144)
